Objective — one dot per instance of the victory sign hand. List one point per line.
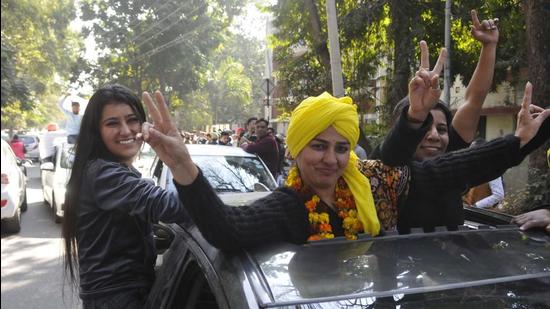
(165, 139)
(424, 91)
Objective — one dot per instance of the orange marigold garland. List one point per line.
(320, 220)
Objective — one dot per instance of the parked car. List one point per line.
(14, 190)
(487, 263)
(54, 177)
(31, 143)
(236, 175)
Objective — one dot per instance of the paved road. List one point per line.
(32, 268)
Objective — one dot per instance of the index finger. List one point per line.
(475, 20)
(527, 96)
(163, 109)
(440, 62)
(153, 111)
(424, 55)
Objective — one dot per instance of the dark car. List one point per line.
(487, 267)
(485, 264)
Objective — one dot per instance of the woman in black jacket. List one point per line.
(109, 209)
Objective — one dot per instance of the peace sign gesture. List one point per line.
(165, 139)
(486, 31)
(424, 88)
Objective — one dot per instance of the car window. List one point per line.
(67, 158)
(28, 139)
(234, 173)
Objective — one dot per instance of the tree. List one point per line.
(149, 45)
(378, 30)
(38, 50)
(538, 49)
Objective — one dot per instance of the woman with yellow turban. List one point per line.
(328, 193)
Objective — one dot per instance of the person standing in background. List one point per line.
(73, 118)
(18, 147)
(265, 147)
(250, 134)
(486, 195)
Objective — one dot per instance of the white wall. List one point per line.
(499, 125)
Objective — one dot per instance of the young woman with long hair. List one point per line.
(109, 210)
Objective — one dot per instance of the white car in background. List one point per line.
(14, 190)
(31, 143)
(54, 176)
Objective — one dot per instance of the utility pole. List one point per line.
(334, 50)
(447, 72)
(268, 85)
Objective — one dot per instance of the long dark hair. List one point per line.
(90, 146)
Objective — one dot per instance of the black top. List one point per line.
(435, 193)
(283, 216)
(114, 228)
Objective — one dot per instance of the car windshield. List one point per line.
(235, 173)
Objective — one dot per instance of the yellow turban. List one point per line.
(316, 114)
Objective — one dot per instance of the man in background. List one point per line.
(225, 139)
(250, 134)
(18, 147)
(265, 147)
(74, 118)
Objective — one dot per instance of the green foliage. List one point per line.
(38, 51)
(375, 132)
(183, 48)
(372, 32)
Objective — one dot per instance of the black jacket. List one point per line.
(435, 192)
(114, 228)
(283, 216)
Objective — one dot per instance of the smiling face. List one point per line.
(119, 126)
(436, 139)
(323, 160)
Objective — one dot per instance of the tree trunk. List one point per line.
(400, 32)
(319, 38)
(538, 59)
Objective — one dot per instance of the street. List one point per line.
(32, 263)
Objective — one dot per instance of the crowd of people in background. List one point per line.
(256, 137)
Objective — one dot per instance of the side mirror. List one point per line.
(27, 163)
(47, 166)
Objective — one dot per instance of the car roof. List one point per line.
(287, 274)
(216, 150)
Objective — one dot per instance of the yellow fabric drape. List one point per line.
(316, 114)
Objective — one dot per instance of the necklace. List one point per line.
(319, 220)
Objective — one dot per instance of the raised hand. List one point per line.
(165, 139)
(424, 91)
(530, 117)
(486, 31)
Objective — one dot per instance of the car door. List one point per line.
(15, 175)
(47, 177)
